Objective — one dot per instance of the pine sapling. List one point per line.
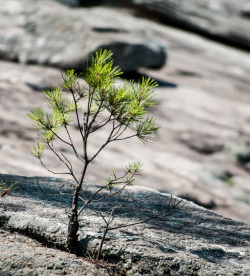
(97, 103)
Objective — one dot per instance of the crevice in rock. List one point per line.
(3, 220)
(31, 233)
(111, 262)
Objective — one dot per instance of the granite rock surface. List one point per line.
(50, 33)
(225, 20)
(191, 241)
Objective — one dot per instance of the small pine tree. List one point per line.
(96, 104)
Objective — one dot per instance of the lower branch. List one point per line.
(173, 204)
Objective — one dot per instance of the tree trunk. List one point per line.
(73, 226)
(72, 238)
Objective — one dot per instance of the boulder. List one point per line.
(83, 3)
(220, 20)
(191, 241)
(245, 10)
(203, 98)
(47, 32)
(71, 3)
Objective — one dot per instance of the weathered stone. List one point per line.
(192, 241)
(36, 77)
(220, 20)
(21, 255)
(46, 32)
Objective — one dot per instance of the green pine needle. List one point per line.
(38, 150)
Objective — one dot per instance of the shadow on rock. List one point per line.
(136, 76)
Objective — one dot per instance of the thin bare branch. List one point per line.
(158, 215)
(51, 170)
(72, 144)
(116, 130)
(100, 149)
(104, 122)
(59, 138)
(47, 194)
(96, 114)
(125, 138)
(77, 116)
(71, 168)
(101, 124)
(111, 194)
(117, 134)
(91, 198)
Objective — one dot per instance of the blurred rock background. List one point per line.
(197, 51)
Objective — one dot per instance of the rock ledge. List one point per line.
(192, 241)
